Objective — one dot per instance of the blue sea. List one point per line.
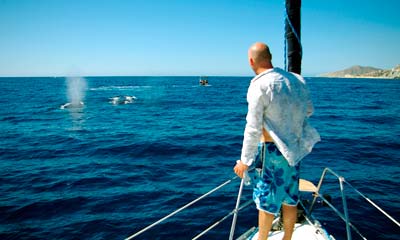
(105, 171)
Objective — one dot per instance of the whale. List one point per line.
(122, 99)
(72, 105)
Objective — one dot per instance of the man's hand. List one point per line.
(240, 168)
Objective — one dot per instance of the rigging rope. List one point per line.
(180, 209)
(374, 204)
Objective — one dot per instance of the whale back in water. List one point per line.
(122, 99)
(72, 105)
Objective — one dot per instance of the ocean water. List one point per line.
(105, 171)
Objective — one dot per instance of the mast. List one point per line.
(292, 35)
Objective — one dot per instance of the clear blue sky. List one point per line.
(173, 37)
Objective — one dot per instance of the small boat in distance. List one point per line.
(203, 81)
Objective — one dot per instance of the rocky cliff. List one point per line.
(365, 72)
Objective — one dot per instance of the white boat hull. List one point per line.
(301, 232)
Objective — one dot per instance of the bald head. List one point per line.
(259, 57)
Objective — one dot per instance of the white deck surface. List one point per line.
(301, 232)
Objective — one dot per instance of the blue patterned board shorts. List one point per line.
(276, 182)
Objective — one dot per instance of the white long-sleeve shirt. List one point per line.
(280, 102)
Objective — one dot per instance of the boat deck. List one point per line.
(301, 232)
(307, 228)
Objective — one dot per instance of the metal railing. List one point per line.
(317, 194)
(345, 215)
(234, 211)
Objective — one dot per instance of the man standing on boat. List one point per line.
(278, 108)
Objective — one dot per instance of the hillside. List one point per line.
(365, 72)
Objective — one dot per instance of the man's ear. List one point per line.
(251, 61)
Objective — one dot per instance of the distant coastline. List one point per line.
(365, 72)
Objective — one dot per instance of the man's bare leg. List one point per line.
(264, 224)
(289, 219)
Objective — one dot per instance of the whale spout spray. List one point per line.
(75, 92)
